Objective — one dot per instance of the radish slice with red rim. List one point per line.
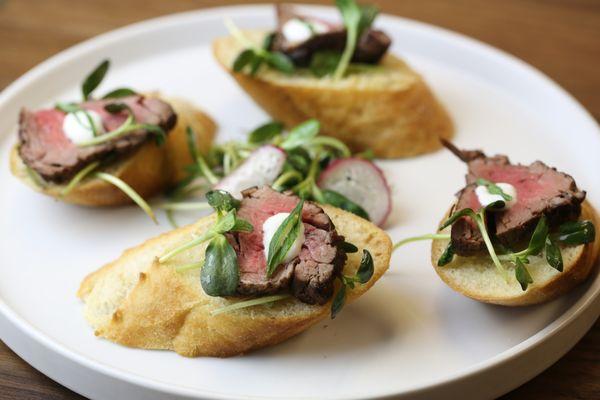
(261, 168)
(362, 182)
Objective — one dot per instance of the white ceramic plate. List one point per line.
(410, 336)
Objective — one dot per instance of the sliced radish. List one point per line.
(362, 182)
(261, 168)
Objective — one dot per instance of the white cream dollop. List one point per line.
(296, 31)
(486, 198)
(77, 128)
(270, 226)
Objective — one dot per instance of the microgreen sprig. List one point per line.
(250, 303)
(227, 221)
(283, 238)
(129, 191)
(363, 275)
(201, 164)
(126, 127)
(254, 56)
(356, 20)
(479, 219)
(541, 241)
(494, 189)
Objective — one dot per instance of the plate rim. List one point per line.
(566, 319)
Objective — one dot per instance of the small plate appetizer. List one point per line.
(314, 167)
(340, 73)
(108, 151)
(253, 274)
(517, 234)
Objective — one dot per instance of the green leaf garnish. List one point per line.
(348, 247)
(494, 189)
(363, 275)
(447, 255)
(93, 80)
(118, 93)
(522, 275)
(222, 201)
(538, 238)
(220, 274)
(116, 108)
(366, 268)
(241, 225)
(254, 56)
(575, 233)
(243, 59)
(465, 212)
(300, 134)
(280, 62)
(266, 132)
(351, 15)
(553, 254)
(338, 200)
(324, 63)
(227, 221)
(284, 237)
(338, 301)
(368, 13)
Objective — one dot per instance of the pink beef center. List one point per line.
(49, 124)
(251, 257)
(531, 187)
(50, 121)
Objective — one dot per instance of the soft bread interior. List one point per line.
(478, 278)
(138, 302)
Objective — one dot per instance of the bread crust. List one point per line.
(390, 109)
(582, 261)
(149, 170)
(137, 302)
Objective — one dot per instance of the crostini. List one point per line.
(115, 150)
(340, 74)
(315, 167)
(257, 272)
(517, 234)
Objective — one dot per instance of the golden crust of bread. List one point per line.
(477, 278)
(149, 170)
(389, 109)
(137, 302)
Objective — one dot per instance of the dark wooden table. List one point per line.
(561, 38)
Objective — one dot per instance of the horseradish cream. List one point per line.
(297, 31)
(270, 226)
(486, 198)
(77, 127)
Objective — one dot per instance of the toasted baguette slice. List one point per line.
(137, 302)
(477, 277)
(149, 170)
(388, 108)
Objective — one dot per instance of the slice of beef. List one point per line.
(370, 48)
(541, 190)
(310, 276)
(45, 148)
